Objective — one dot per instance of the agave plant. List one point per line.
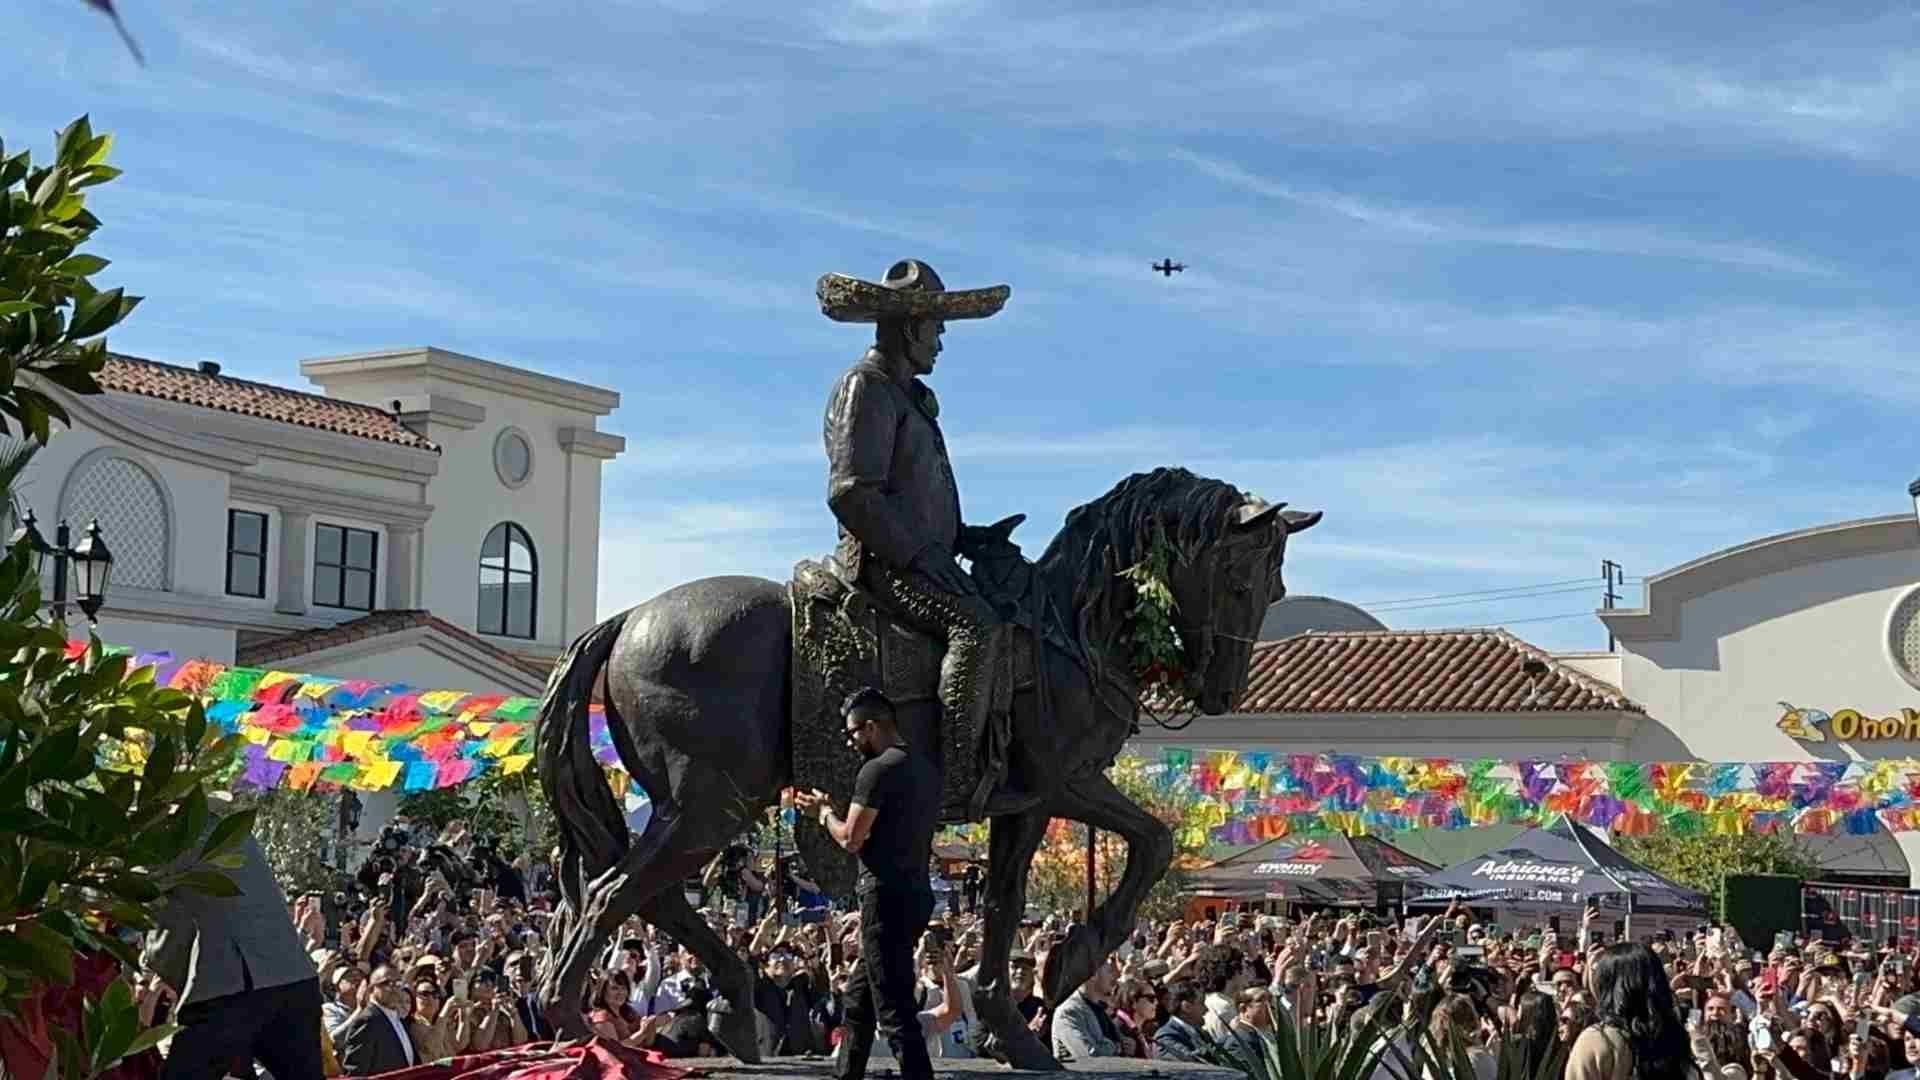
(1324, 1051)
(1309, 1051)
(1429, 1060)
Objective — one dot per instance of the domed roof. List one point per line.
(1299, 614)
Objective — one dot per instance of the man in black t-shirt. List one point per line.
(889, 825)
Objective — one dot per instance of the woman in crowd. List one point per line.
(1136, 1013)
(1536, 1025)
(431, 1027)
(1574, 1018)
(614, 1017)
(1456, 1024)
(1637, 1034)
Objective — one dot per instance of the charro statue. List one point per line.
(890, 483)
(720, 694)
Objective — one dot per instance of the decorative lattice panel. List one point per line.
(1903, 636)
(133, 520)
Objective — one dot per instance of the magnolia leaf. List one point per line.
(211, 883)
(229, 833)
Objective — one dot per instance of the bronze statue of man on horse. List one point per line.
(723, 692)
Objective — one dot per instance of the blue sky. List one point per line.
(1504, 288)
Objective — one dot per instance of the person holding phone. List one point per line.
(889, 826)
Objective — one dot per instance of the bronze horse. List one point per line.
(696, 695)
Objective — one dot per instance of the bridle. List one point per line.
(1183, 713)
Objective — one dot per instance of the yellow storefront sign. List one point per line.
(1848, 725)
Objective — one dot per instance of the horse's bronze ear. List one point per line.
(1255, 515)
(1301, 520)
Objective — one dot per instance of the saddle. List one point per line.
(841, 642)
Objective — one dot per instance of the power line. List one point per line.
(1536, 618)
(1588, 582)
(1484, 599)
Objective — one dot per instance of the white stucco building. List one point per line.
(1824, 622)
(425, 517)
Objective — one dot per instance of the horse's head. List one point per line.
(1222, 594)
(1224, 570)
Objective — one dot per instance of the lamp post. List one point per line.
(90, 562)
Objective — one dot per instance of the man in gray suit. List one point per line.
(1077, 1031)
(246, 986)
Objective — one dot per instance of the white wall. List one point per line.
(185, 641)
(466, 405)
(469, 498)
(414, 665)
(1814, 635)
(196, 495)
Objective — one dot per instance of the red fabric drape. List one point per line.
(25, 1045)
(595, 1059)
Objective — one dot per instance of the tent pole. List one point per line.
(1092, 833)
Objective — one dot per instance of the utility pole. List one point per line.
(1610, 575)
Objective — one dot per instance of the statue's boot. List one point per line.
(977, 723)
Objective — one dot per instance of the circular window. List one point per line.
(1903, 636)
(513, 457)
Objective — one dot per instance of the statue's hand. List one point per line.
(937, 565)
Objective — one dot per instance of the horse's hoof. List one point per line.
(1070, 963)
(737, 1031)
(1027, 1053)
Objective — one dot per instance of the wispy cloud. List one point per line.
(1442, 226)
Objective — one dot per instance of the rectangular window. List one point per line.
(246, 554)
(344, 561)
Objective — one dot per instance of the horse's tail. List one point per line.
(593, 829)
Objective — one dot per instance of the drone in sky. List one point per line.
(1168, 268)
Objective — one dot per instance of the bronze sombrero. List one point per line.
(911, 290)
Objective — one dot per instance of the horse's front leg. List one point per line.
(1012, 842)
(1096, 802)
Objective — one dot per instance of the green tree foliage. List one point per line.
(52, 317)
(1703, 862)
(103, 775)
(1058, 881)
(511, 810)
(296, 833)
(102, 789)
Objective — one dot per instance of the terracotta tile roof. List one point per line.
(378, 624)
(191, 386)
(1415, 671)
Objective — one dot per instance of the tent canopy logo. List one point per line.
(1530, 871)
(1302, 861)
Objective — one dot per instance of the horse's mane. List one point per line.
(1116, 531)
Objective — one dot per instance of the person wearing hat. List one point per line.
(1020, 981)
(890, 484)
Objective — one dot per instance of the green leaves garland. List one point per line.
(1158, 656)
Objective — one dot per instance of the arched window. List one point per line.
(134, 517)
(509, 582)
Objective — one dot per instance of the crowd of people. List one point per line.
(435, 951)
(1208, 990)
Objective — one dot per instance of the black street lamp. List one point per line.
(90, 562)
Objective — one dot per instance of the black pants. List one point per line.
(278, 1026)
(882, 984)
